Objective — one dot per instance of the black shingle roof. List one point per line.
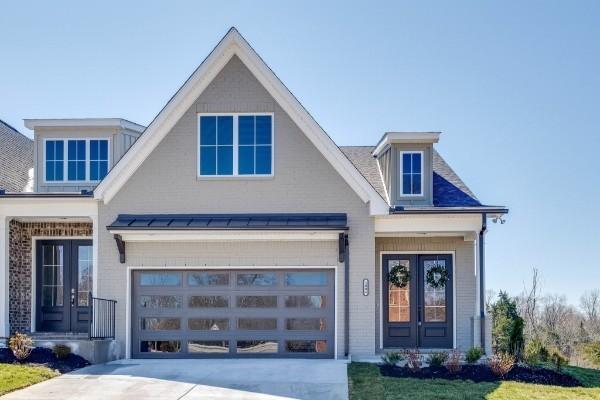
(16, 158)
(319, 221)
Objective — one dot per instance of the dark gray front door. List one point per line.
(417, 315)
(233, 313)
(63, 283)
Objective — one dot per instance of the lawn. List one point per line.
(15, 376)
(366, 383)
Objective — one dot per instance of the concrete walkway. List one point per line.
(197, 379)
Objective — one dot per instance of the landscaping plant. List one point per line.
(21, 345)
(507, 326)
(535, 352)
(453, 362)
(392, 358)
(558, 360)
(413, 360)
(591, 353)
(61, 351)
(473, 354)
(437, 359)
(501, 363)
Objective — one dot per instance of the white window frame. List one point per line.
(66, 159)
(401, 168)
(235, 174)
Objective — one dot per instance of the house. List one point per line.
(233, 226)
(16, 158)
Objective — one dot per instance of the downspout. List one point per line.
(346, 295)
(482, 278)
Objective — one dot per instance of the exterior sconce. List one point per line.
(365, 287)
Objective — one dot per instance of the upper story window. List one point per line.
(85, 160)
(412, 173)
(235, 145)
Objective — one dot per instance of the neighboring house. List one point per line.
(16, 159)
(234, 226)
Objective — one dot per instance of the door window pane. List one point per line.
(257, 301)
(305, 324)
(306, 279)
(52, 275)
(156, 301)
(160, 279)
(435, 299)
(160, 324)
(160, 346)
(257, 324)
(208, 302)
(305, 301)
(398, 298)
(306, 346)
(84, 275)
(256, 346)
(208, 324)
(265, 279)
(208, 346)
(208, 279)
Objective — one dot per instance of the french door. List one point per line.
(417, 314)
(64, 273)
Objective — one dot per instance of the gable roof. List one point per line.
(448, 189)
(234, 44)
(16, 158)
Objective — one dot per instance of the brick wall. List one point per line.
(20, 264)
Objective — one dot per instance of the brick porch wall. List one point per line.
(20, 268)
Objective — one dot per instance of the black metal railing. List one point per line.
(101, 318)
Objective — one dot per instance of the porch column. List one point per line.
(4, 316)
(95, 235)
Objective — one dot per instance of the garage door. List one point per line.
(233, 313)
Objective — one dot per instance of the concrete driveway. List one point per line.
(197, 379)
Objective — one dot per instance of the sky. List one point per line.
(513, 86)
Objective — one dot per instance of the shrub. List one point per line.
(61, 351)
(507, 326)
(591, 352)
(437, 359)
(501, 364)
(558, 360)
(474, 354)
(413, 358)
(535, 352)
(21, 345)
(453, 363)
(392, 358)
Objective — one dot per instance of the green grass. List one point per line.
(16, 376)
(366, 382)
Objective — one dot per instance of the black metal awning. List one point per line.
(313, 221)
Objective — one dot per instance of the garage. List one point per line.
(204, 313)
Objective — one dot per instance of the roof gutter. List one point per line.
(449, 210)
(28, 195)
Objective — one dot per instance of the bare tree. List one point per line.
(590, 305)
(529, 304)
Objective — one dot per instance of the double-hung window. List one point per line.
(75, 160)
(235, 145)
(55, 159)
(412, 173)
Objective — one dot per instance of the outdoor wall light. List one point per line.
(365, 287)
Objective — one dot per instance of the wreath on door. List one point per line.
(399, 276)
(437, 276)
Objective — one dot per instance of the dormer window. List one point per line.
(411, 167)
(75, 160)
(232, 145)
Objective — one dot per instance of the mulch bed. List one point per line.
(483, 373)
(46, 357)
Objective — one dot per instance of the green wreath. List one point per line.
(399, 276)
(437, 276)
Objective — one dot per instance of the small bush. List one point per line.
(453, 363)
(21, 345)
(507, 326)
(437, 359)
(501, 364)
(61, 351)
(413, 358)
(591, 353)
(535, 352)
(392, 358)
(473, 354)
(558, 360)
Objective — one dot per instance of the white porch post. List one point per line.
(95, 235)
(4, 316)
